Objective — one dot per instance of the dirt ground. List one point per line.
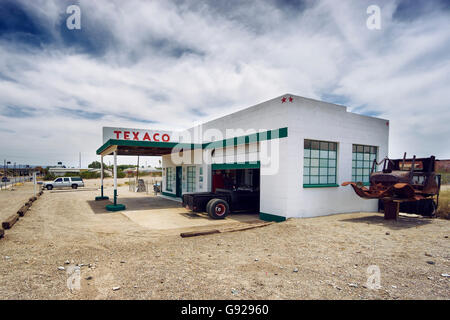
(12, 199)
(316, 258)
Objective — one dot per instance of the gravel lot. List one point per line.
(317, 258)
(13, 200)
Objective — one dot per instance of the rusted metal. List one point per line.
(400, 180)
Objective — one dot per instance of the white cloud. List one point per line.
(176, 64)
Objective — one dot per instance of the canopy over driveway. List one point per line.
(134, 148)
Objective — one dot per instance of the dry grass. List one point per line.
(443, 210)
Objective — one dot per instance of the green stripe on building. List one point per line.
(271, 217)
(246, 165)
(173, 195)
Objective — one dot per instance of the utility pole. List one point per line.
(80, 161)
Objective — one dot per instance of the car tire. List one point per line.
(74, 186)
(50, 187)
(218, 208)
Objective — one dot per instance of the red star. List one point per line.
(291, 99)
(283, 100)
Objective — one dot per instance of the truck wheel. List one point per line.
(50, 187)
(208, 205)
(74, 186)
(218, 208)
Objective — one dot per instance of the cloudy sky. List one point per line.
(168, 65)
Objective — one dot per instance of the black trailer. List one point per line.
(220, 203)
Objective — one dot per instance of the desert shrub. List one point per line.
(89, 175)
(445, 177)
(49, 176)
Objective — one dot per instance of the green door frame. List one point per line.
(179, 177)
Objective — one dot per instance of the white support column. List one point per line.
(101, 172)
(102, 196)
(115, 177)
(115, 206)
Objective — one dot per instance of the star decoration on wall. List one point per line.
(284, 99)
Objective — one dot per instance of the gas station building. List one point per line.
(294, 151)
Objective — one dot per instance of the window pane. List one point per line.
(323, 171)
(315, 145)
(314, 162)
(307, 144)
(332, 146)
(331, 179)
(314, 171)
(307, 162)
(324, 146)
(332, 163)
(323, 180)
(307, 153)
(306, 171)
(305, 179)
(332, 155)
(314, 180)
(324, 162)
(323, 154)
(314, 153)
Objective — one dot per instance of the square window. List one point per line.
(361, 168)
(319, 162)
